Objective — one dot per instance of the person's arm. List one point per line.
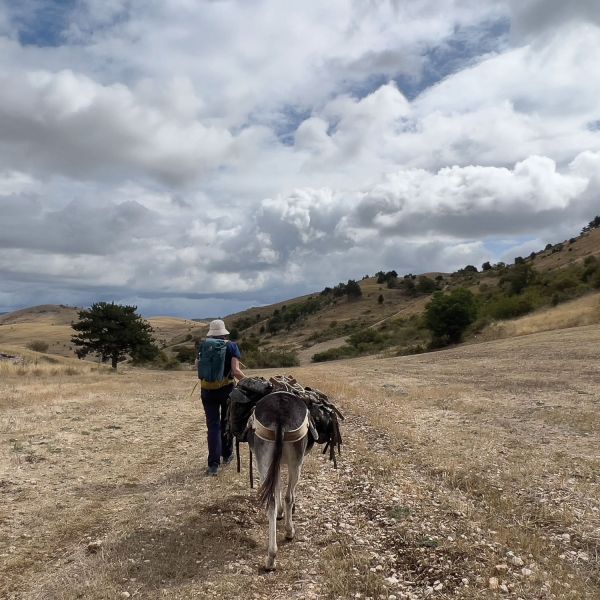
(235, 369)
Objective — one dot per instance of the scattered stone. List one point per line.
(517, 561)
(501, 568)
(526, 572)
(493, 583)
(93, 547)
(125, 595)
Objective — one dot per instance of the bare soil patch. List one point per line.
(469, 473)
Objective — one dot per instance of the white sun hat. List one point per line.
(217, 327)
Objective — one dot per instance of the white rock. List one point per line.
(504, 588)
(526, 572)
(125, 595)
(517, 561)
(493, 583)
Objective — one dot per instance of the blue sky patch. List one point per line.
(42, 22)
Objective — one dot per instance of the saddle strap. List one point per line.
(294, 435)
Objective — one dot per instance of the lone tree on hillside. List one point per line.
(112, 331)
(448, 315)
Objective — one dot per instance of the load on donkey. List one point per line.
(281, 421)
(324, 416)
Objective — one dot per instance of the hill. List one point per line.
(322, 322)
(51, 324)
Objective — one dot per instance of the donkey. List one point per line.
(281, 432)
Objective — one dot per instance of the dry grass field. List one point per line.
(468, 473)
(576, 313)
(51, 323)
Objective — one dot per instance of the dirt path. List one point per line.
(471, 473)
(305, 354)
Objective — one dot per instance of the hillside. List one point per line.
(330, 325)
(51, 323)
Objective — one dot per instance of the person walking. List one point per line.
(218, 365)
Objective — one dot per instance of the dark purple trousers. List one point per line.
(215, 409)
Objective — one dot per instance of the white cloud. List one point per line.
(261, 149)
(101, 129)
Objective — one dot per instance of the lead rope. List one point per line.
(251, 471)
(237, 455)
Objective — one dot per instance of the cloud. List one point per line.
(103, 129)
(169, 150)
(535, 17)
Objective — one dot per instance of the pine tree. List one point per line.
(112, 331)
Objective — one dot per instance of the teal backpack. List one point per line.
(211, 357)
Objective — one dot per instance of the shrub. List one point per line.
(509, 307)
(518, 278)
(270, 359)
(185, 354)
(365, 337)
(335, 353)
(448, 315)
(425, 285)
(38, 346)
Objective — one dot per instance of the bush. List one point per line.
(448, 315)
(185, 354)
(509, 307)
(38, 346)
(425, 285)
(270, 359)
(518, 278)
(335, 353)
(365, 337)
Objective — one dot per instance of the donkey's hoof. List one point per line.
(270, 564)
(289, 535)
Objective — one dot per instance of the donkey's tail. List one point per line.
(266, 491)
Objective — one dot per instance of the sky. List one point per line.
(198, 157)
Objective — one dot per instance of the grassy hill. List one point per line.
(51, 324)
(327, 322)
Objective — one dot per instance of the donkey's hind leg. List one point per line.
(295, 458)
(264, 452)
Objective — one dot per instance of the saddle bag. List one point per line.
(240, 407)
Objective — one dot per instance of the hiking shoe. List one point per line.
(212, 471)
(226, 460)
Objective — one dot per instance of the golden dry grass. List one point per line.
(451, 460)
(576, 313)
(52, 324)
(172, 330)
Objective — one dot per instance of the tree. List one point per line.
(380, 299)
(518, 278)
(486, 266)
(448, 315)
(112, 331)
(353, 289)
